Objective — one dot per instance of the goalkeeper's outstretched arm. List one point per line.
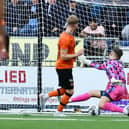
(96, 65)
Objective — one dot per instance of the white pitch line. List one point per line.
(54, 119)
(44, 119)
(60, 119)
(118, 120)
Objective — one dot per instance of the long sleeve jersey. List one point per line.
(114, 69)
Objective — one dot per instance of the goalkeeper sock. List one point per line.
(82, 97)
(57, 92)
(64, 100)
(112, 107)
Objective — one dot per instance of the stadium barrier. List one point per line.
(18, 87)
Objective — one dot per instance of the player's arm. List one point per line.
(65, 56)
(91, 63)
(83, 34)
(98, 66)
(97, 35)
(86, 34)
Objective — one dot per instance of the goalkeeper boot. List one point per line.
(91, 110)
(97, 111)
(43, 99)
(126, 110)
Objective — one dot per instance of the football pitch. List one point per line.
(71, 121)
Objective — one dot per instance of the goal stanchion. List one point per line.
(40, 34)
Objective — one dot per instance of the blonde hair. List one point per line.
(72, 20)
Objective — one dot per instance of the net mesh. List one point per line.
(17, 90)
(103, 24)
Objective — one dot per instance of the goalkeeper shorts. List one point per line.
(114, 93)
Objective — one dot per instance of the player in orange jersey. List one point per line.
(64, 65)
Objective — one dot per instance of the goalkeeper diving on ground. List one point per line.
(116, 87)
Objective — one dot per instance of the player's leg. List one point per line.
(105, 104)
(86, 96)
(113, 95)
(96, 110)
(57, 92)
(65, 99)
(68, 84)
(54, 93)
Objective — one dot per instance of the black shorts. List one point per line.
(65, 78)
(104, 93)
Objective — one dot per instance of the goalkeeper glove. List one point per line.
(83, 60)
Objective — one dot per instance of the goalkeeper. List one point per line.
(116, 87)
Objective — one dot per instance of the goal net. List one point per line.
(34, 27)
(102, 24)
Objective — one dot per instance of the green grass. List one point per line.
(47, 121)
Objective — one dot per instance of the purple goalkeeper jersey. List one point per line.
(114, 69)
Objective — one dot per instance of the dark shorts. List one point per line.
(104, 93)
(65, 78)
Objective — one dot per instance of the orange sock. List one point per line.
(57, 92)
(64, 100)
